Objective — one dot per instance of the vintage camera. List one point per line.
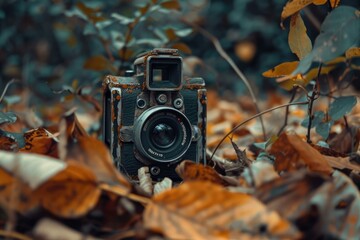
(153, 117)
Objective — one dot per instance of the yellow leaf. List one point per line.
(299, 42)
(182, 47)
(98, 63)
(352, 52)
(319, 2)
(282, 69)
(334, 3)
(203, 210)
(293, 6)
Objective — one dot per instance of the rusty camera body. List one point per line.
(153, 117)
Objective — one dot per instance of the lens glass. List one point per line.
(163, 135)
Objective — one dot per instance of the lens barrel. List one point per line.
(162, 134)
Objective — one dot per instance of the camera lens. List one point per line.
(162, 134)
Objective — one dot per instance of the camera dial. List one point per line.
(162, 134)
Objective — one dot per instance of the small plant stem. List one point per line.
(249, 119)
(314, 95)
(6, 88)
(293, 94)
(226, 57)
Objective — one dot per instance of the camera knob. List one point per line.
(141, 103)
(161, 98)
(178, 103)
(155, 170)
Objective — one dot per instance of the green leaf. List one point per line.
(323, 129)
(122, 19)
(264, 145)
(341, 106)
(7, 117)
(339, 31)
(318, 118)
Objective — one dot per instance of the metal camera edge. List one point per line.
(154, 117)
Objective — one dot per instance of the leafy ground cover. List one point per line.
(284, 166)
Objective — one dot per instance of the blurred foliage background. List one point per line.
(60, 50)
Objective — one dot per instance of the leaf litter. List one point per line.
(65, 179)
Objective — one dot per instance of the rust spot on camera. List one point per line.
(118, 97)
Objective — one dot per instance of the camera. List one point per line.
(153, 116)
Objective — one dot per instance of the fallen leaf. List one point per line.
(70, 193)
(172, 5)
(320, 2)
(8, 144)
(299, 41)
(40, 141)
(334, 3)
(291, 152)
(190, 171)
(203, 210)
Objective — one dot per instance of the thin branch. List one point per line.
(226, 57)
(294, 90)
(255, 116)
(6, 88)
(311, 99)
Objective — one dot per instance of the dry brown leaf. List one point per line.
(91, 152)
(299, 41)
(203, 210)
(290, 194)
(95, 155)
(14, 194)
(40, 141)
(70, 193)
(8, 144)
(293, 6)
(190, 171)
(182, 47)
(291, 153)
(347, 141)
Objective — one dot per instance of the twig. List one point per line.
(226, 57)
(249, 119)
(311, 99)
(6, 88)
(287, 109)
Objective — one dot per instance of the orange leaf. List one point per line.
(283, 69)
(8, 144)
(203, 210)
(190, 171)
(98, 63)
(320, 2)
(352, 52)
(299, 41)
(291, 153)
(334, 3)
(172, 4)
(182, 47)
(293, 6)
(70, 193)
(14, 194)
(40, 141)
